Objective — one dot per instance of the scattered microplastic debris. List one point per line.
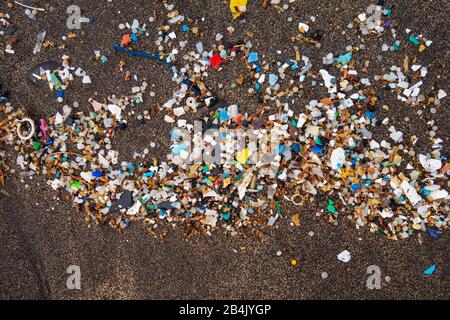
(338, 145)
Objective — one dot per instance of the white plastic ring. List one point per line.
(295, 198)
(32, 130)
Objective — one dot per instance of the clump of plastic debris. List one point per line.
(325, 151)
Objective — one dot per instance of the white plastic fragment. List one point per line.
(86, 176)
(438, 194)
(410, 192)
(344, 256)
(39, 42)
(337, 158)
(303, 27)
(115, 110)
(134, 209)
(211, 217)
(169, 119)
(430, 165)
(103, 162)
(301, 120)
(86, 79)
(271, 221)
(59, 118)
(386, 213)
(374, 145)
(396, 136)
(179, 111)
(330, 81)
(441, 94)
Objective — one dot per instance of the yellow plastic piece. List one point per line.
(242, 157)
(238, 7)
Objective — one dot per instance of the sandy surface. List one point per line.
(41, 234)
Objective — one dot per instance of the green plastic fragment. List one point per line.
(278, 208)
(388, 164)
(414, 40)
(226, 216)
(331, 207)
(75, 184)
(151, 207)
(318, 141)
(294, 123)
(54, 79)
(36, 145)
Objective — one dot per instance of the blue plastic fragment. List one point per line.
(388, 11)
(143, 54)
(430, 270)
(178, 148)
(148, 174)
(98, 174)
(317, 149)
(434, 233)
(273, 78)
(223, 116)
(356, 187)
(344, 59)
(252, 57)
(371, 115)
(175, 134)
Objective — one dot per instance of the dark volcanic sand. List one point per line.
(40, 236)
